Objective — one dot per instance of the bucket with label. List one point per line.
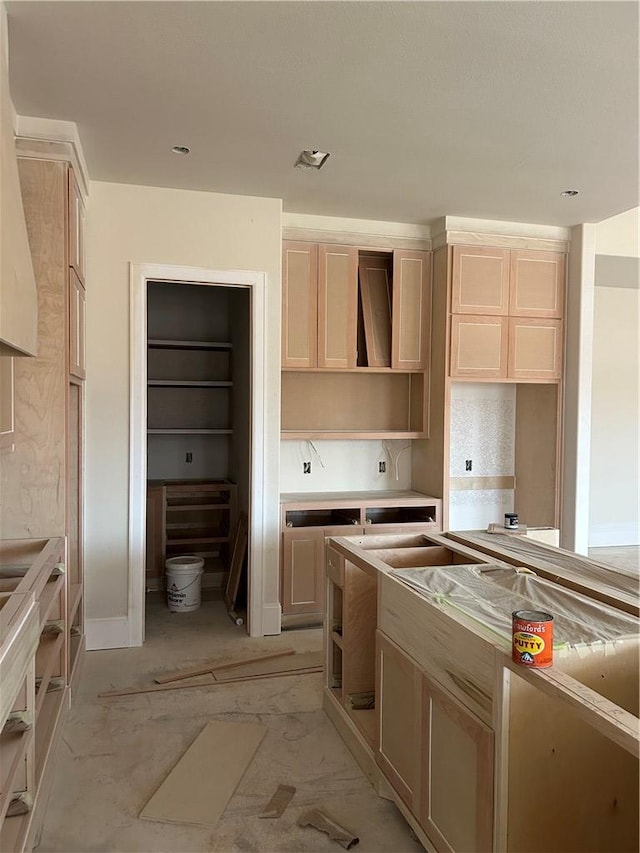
(183, 583)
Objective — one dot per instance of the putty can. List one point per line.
(532, 638)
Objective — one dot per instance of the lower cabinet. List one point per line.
(398, 704)
(307, 520)
(303, 554)
(457, 773)
(436, 754)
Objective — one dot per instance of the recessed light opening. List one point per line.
(311, 159)
(569, 193)
(180, 149)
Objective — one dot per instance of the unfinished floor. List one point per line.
(116, 752)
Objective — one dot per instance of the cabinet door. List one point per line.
(398, 702)
(480, 280)
(76, 228)
(411, 310)
(299, 304)
(457, 781)
(337, 306)
(302, 570)
(537, 286)
(535, 349)
(77, 303)
(479, 346)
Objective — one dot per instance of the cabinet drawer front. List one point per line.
(299, 304)
(479, 346)
(535, 348)
(456, 657)
(480, 280)
(537, 284)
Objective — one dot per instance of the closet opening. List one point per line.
(198, 453)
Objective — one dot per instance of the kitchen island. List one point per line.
(478, 752)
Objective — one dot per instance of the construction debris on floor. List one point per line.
(230, 671)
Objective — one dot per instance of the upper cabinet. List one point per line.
(355, 341)
(18, 295)
(347, 308)
(506, 314)
(76, 228)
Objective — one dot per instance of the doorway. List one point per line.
(195, 336)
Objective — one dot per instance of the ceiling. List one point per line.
(479, 109)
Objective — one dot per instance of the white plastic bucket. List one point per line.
(183, 583)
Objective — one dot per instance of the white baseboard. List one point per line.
(604, 535)
(271, 619)
(111, 633)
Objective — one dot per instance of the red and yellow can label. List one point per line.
(532, 638)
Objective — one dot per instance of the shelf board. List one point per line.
(198, 541)
(161, 343)
(189, 383)
(189, 432)
(310, 435)
(392, 370)
(193, 507)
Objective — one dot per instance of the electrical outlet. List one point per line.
(468, 464)
(306, 467)
(188, 457)
(382, 467)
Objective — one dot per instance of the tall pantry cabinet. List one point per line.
(43, 472)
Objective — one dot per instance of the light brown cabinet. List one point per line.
(512, 348)
(306, 521)
(35, 635)
(435, 753)
(77, 322)
(42, 478)
(355, 342)
(457, 756)
(516, 282)
(319, 306)
(76, 228)
(399, 709)
(506, 314)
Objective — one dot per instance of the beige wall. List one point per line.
(615, 423)
(162, 226)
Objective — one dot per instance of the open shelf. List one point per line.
(158, 343)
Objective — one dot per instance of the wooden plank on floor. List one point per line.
(201, 784)
(219, 665)
(299, 661)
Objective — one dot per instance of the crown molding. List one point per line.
(44, 138)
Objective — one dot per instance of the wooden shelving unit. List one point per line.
(190, 517)
(35, 636)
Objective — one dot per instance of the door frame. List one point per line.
(139, 276)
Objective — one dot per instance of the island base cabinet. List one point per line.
(398, 704)
(457, 782)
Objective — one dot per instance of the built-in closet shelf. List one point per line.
(190, 383)
(155, 343)
(189, 432)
